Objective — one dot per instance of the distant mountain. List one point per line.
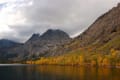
(4, 43)
(5, 46)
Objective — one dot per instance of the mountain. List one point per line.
(4, 43)
(55, 35)
(99, 45)
(34, 37)
(50, 34)
(101, 37)
(5, 46)
(47, 43)
(105, 28)
(103, 34)
(38, 45)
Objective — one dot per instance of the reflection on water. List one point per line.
(57, 73)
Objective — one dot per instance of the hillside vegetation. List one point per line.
(99, 45)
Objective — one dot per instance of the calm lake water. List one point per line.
(37, 72)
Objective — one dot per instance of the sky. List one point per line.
(19, 19)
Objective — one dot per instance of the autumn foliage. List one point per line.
(93, 59)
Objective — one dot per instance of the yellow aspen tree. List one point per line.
(81, 60)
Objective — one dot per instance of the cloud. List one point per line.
(25, 17)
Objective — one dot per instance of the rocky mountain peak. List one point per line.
(55, 35)
(34, 37)
(46, 44)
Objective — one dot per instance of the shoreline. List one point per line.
(73, 65)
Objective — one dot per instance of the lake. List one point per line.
(44, 72)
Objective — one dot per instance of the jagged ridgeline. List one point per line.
(37, 46)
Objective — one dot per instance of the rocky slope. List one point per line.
(104, 33)
(48, 44)
(104, 29)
